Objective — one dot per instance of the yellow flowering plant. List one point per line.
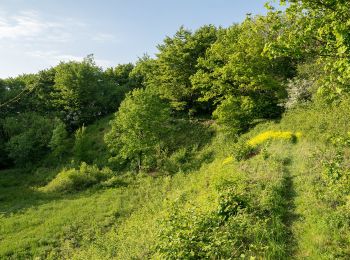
(272, 135)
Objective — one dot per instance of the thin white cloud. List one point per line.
(30, 40)
(24, 24)
(32, 27)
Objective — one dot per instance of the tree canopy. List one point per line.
(139, 127)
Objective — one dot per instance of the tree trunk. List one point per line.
(140, 161)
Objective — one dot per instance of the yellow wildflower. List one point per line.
(228, 160)
(261, 138)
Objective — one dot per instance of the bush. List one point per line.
(225, 233)
(298, 92)
(333, 189)
(184, 159)
(235, 114)
(80, 148)
(59, 140)
(69, 180)
(242, 150)
(29, 135)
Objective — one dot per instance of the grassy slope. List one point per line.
(123, 222)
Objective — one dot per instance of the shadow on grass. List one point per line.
(289, 216)
(18, 192)
(190, 133)
(188, 145)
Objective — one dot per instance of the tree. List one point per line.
(144, 72)
(235, 65)
(120, 76)
(235, 114)
(209, 80)
(139, 128)
(2, 91)
(81, 92)
(176, 63)
(4, 159)
(319, 30)
(28, 137)
(43, 88)
(58, 143)
(17, 95)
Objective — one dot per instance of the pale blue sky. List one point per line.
(37, 34)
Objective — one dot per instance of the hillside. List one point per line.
(272, 204)
(228, 143)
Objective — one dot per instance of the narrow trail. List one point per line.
(303, 219)
(290, 217)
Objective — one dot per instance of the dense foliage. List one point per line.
(28, 137)
(139, 128)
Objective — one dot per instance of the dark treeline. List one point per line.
(239, 75)
(72, 93)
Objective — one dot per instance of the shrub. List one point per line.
(231, 202)
(225, 233)
(235, 114)
(336, 174)
(69, 180)
(29, 135)
(242, 150)
(298, 92)
(333, 189)
(184, 160)
(80, 145)
(59, 142)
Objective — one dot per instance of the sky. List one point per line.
(38, 34)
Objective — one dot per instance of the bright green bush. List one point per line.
(242, 150)
(139, 129)
(81, 147)
(59, 140)
(69, 180)
(237, 228)
(235, 115)
(194, 235)
(247, 220)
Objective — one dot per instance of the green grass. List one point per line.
(292, 212)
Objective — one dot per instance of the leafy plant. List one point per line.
(59, 140)
(243, 151)
(29, 135)
(69, 180)
(139, 128)
(235, 115)
(80, 148)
